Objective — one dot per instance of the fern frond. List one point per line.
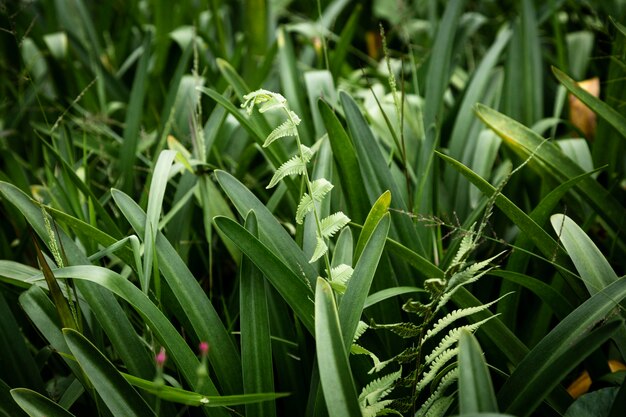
(378, 388)
(361, 327)
(333, 223)
(341, 274)
(294, 166)
(404, 329)
(287, 128)
(320, 250)
(453, 337)
(356, 349)
(464, 277)
(267, 100)
(440, 407)
(378, 409)
(457, 314)
(446, 381)
(319, 188)
(417, 307)
(436, 366)
(466, 246)
(407, 355)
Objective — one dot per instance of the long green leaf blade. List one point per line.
(335, 374)
(118, 395)
(602, 109)
(476, 393)
(292, 288)
(353, 301)
(534, 375)
(256, 348)
(36, 405)
(196, 305)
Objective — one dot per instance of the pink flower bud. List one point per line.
(203, 348)
(160, 358)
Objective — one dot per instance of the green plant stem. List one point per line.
(309, 187)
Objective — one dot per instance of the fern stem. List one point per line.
(309, 186)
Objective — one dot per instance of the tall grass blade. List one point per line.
(115, 391)
(36, 405)
(128, 151)
(525, 142)
(539, 372)
(335, 374)
(198, 310)
(256, 348)
(292, 288)
(476, 393)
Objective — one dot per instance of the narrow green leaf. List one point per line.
(182, 396)
(87, 231)
(548, 246)
(535, 375)
(292, 287)
(374, 168)
(345, 157)
(590, 263)
(133, 120)
(118, 395)
(8, 406)
(160, 177)
(476, 393)
(353, 301)
(387, 293)
(601, 108)
(256, 348)
(60, 303)
(197, 307)
(18, 365)
(378, 210)
(550, 296)
(103, 216)
(335, 374)
(292, 83)
(440, 66)
(340, 50)
(271, 232)
(553, 162)
(167, 335)
(36, 405)
(107, 310)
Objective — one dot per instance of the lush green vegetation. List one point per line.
(282, 208)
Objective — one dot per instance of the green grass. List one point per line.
(436, 161)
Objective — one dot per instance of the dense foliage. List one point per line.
(331, 207)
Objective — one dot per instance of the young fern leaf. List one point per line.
(455, 315)
(294, 166)
(446, 381)
(357, 349)
(378, 389)
(439, 407)
(319, 188)
(464, 277)
(266, 100)
(466, 246)
(320, 250)
(288, 128)
(407, 355)
(405, 330)
(378, 409)
(333, 223)
(339, 277)
(436, 366)
(361, 328)
(453, 337)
